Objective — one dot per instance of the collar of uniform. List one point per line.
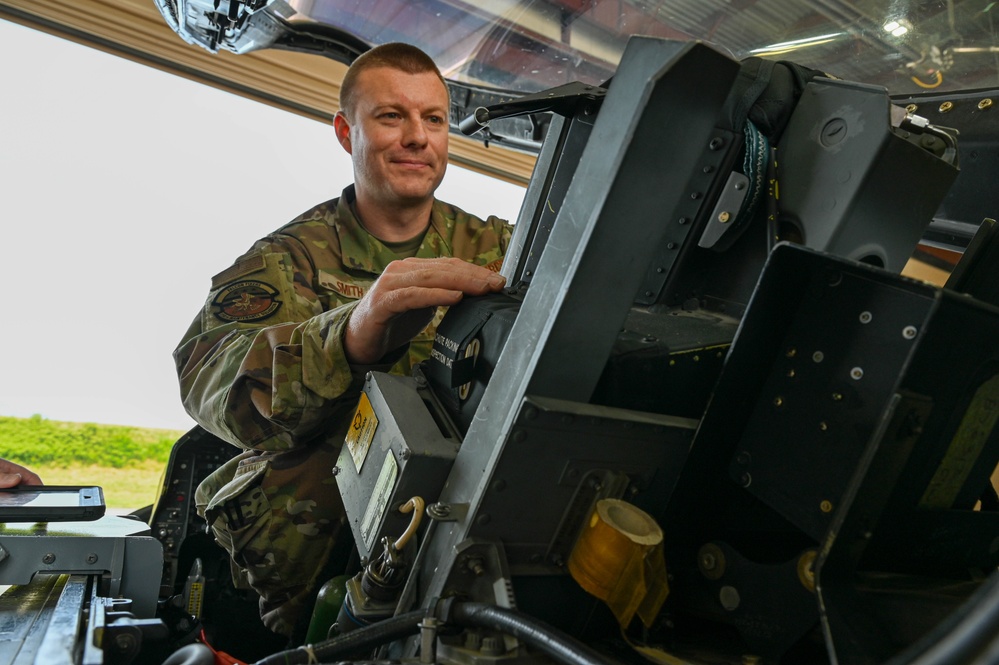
(363, 251)
(436, 242)
(359, 249)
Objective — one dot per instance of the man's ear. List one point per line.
(342, 128)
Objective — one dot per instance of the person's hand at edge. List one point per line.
(403, 299)
(12, 475)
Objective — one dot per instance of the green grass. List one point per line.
(127, 462)
(126, 488)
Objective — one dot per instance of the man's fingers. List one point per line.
(406, 293)
(463, 277)
(12, 474)
(405, 299)
(10, 480)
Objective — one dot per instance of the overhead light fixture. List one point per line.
(897, 27)
(794, 45)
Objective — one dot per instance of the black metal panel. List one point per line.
(975, 114)
(570, 454)
(850, 183)
(836, 368)
(576, 305)
(175, 521)
(685, 222)
(565, 140)
(856, 411)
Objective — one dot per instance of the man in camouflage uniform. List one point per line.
(275, 360)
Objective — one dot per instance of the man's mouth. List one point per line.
(411, 163)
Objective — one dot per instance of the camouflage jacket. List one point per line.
(262, 366)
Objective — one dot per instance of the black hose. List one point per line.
(965, 636)
(362, 638)
(535, 633)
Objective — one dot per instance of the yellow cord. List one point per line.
(929, 86)
(415, 505)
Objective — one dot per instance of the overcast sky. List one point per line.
(124, 189)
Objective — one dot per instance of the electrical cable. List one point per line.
(963, 637)
(537, 634)
(367, 637)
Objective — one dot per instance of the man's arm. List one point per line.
(273, 387)
(262, 365)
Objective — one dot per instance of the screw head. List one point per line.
(708, 561)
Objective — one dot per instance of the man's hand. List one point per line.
(12, 475)
(402, 302)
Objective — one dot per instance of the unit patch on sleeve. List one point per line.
(249, 300)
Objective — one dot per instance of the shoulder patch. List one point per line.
(246, 301)
(241, 268)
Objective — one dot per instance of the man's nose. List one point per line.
(415, 134)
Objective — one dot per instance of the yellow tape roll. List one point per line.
(619, 559)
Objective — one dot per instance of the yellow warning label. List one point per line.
(361, 432)
(969, 440)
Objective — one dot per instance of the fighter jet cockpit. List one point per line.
(714, 417)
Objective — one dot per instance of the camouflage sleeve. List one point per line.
(263, 366)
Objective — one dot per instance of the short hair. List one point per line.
(397, 55)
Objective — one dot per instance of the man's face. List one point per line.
(397, 136)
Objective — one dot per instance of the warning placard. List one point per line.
(362, 431)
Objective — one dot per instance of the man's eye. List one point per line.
(436, 120)
(391, 115)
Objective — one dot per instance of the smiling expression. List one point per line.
(397, 136)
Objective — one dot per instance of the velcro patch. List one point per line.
(344, 285)
(249, 300)
(241, 268)
(494, 266)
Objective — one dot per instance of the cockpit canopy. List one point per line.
(523, 46)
